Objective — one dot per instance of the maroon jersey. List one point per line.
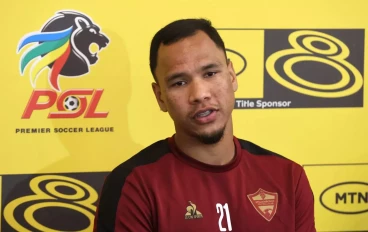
(162, 189)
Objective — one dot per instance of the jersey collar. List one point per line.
(203, 166)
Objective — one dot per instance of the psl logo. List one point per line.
(62, 46)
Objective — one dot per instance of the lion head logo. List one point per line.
(62, 45)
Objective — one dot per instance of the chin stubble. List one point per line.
(212, 138)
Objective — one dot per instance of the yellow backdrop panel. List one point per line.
(300, 67)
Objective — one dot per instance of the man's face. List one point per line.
(196, 86)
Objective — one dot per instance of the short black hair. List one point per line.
(178, 30)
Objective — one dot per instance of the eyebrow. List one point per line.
(181, 74)
(209, 66)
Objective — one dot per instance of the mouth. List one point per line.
(205, 116)
(204, 113)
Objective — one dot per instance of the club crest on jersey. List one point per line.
(265, 203)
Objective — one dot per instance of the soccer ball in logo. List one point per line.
(71, 103)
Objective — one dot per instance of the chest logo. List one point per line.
(192, 212)
(265, 203)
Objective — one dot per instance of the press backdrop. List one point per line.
(76, 99)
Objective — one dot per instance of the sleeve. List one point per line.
(304, 212)
(123, 206)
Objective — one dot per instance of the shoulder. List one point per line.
(268, 157)
(272, 165)
(116, 179)
(122, 177)
(146, 156)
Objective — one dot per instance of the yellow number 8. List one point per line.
(50, 199)
(336, 60)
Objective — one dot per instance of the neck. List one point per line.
(220, 153)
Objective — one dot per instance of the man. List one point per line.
(203, 178)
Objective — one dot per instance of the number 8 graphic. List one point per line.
(332, 57)
(81, 201)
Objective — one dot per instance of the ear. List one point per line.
(158, 93)
(81, 22)
(233, 77)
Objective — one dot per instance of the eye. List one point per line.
(92, 31)
(179, 83)
(210, 74)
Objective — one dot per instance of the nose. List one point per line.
(199, 91)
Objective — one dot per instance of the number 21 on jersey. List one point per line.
(223, 210)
